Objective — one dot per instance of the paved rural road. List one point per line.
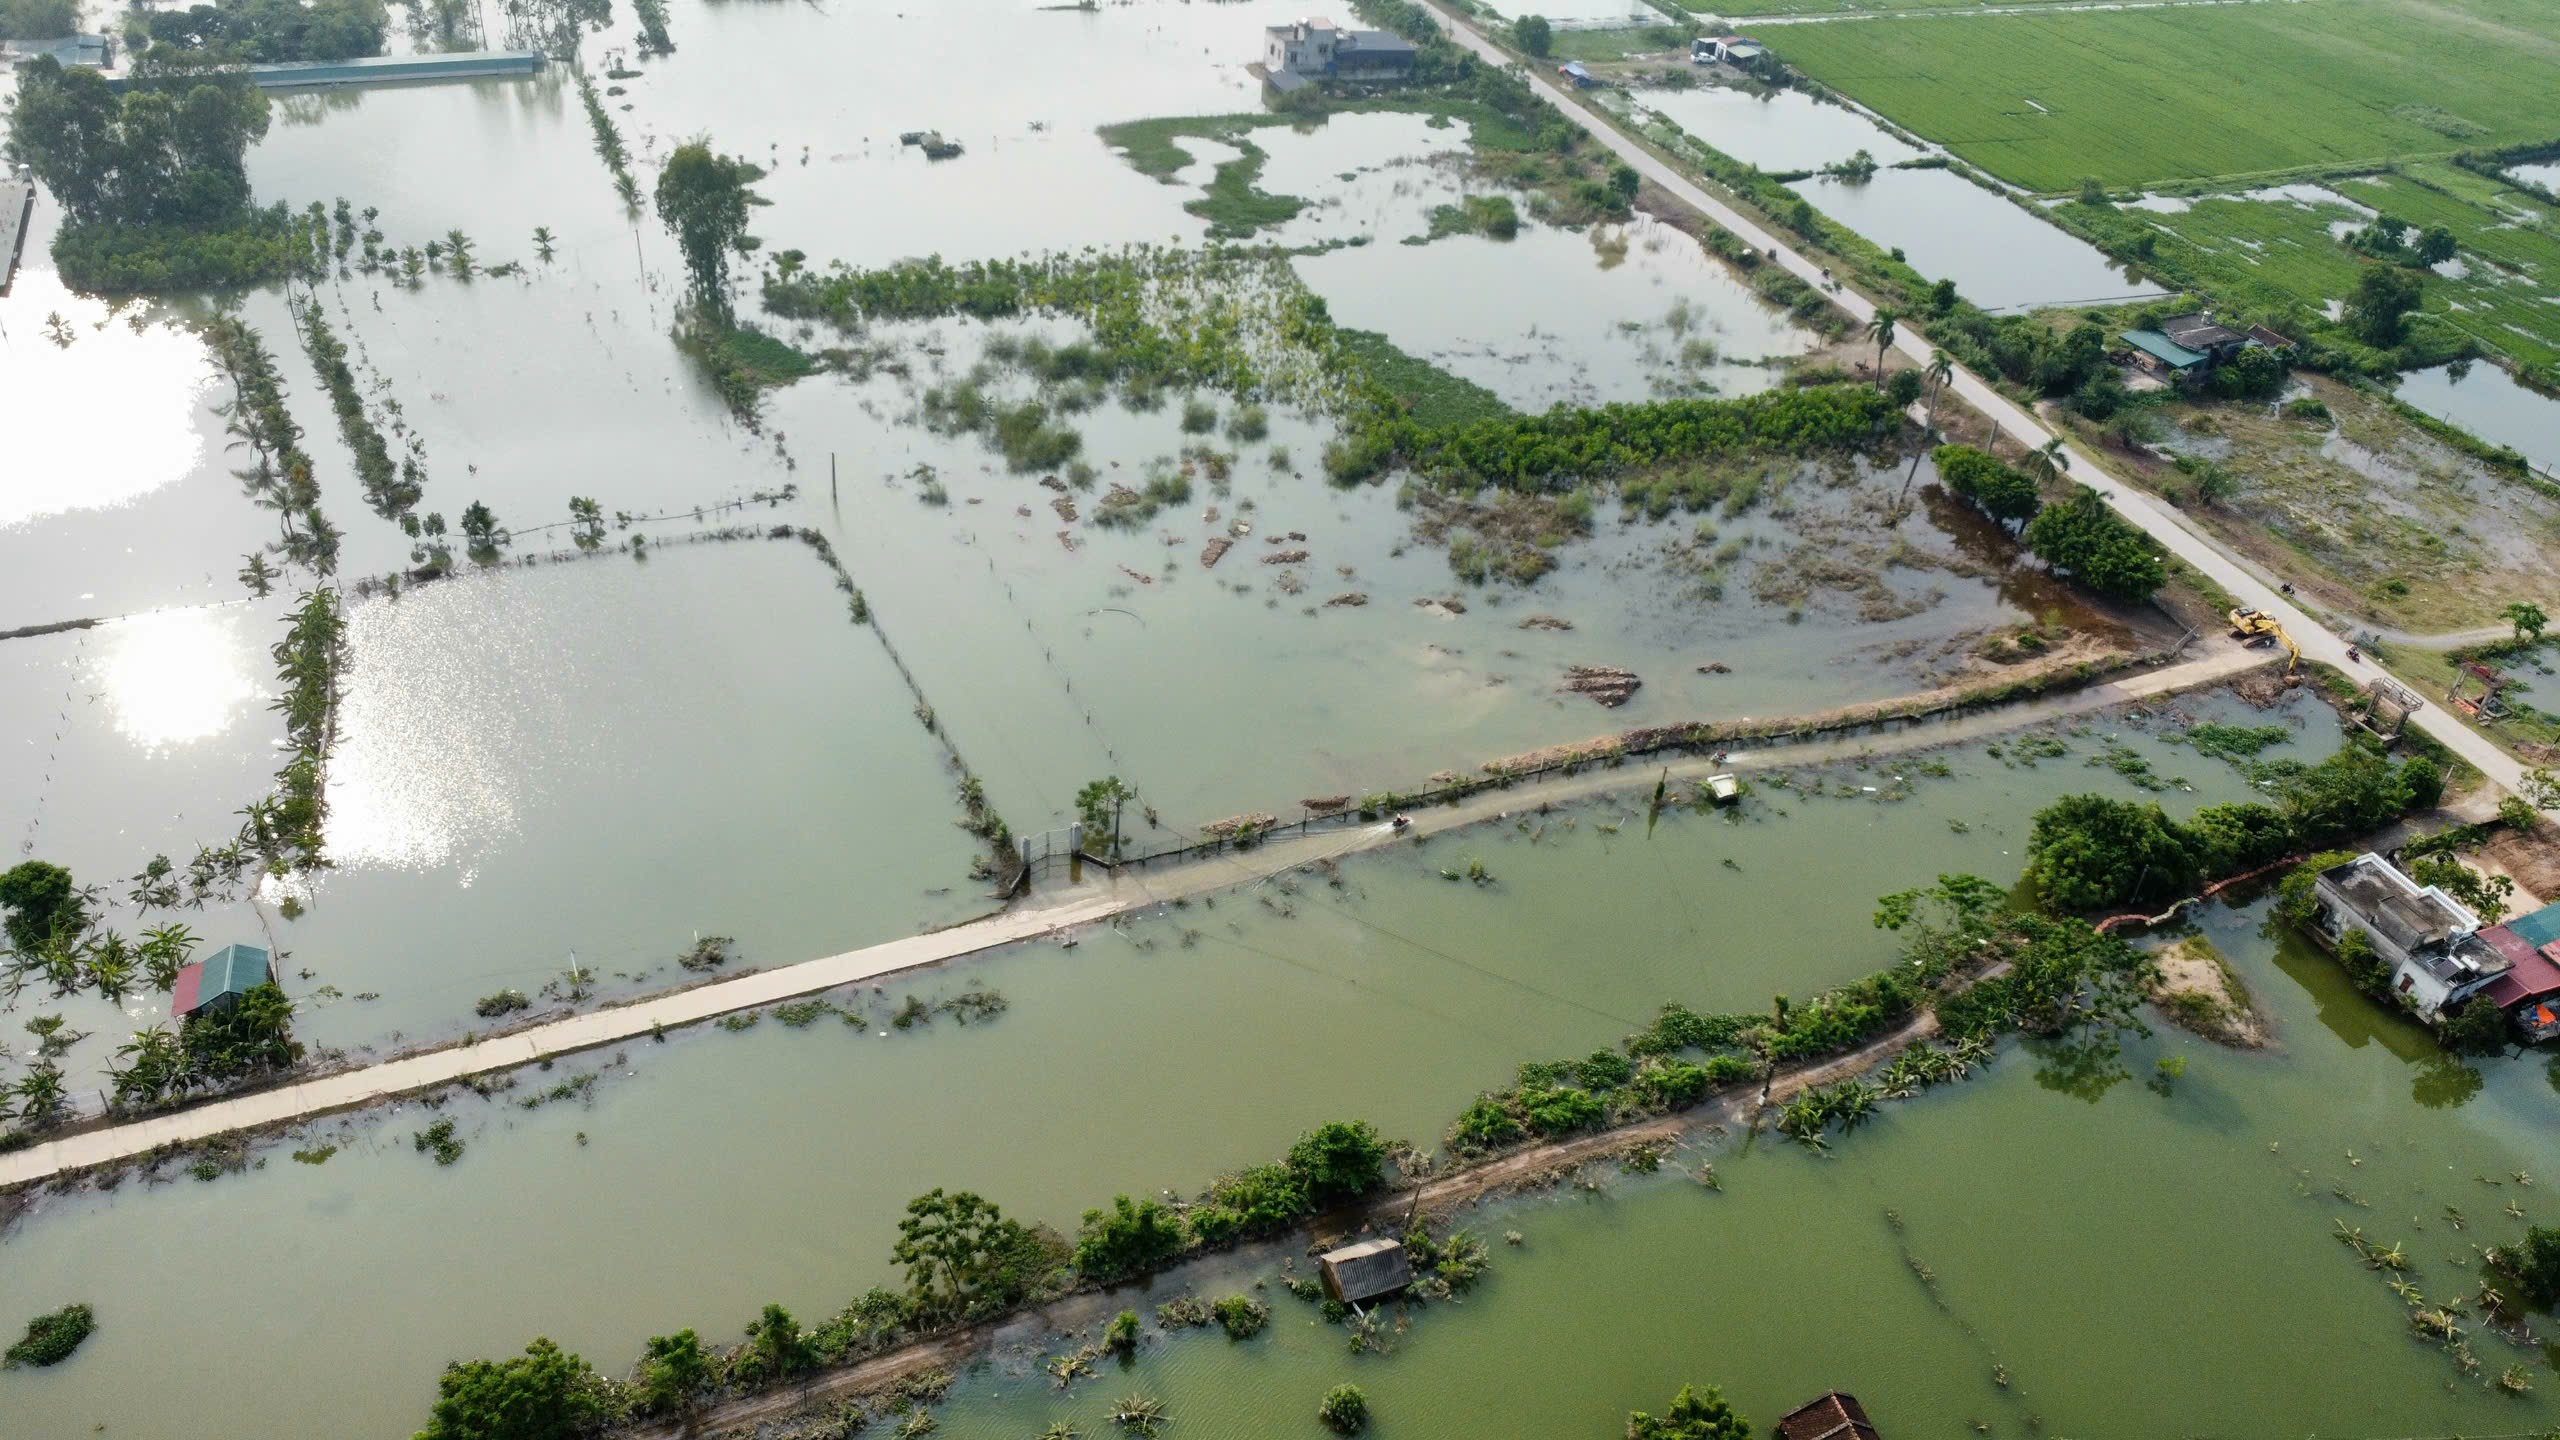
(2162, 523)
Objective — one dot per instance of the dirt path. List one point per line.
(1516, 1170)
(1056, 915)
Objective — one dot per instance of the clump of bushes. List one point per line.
(50, 1339)
(1344, 1410)
(1241, 1316)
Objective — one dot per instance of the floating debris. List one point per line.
(1215, 551)
(1349, 597)
(1546, 622)
(1715, 667)
(1611, 686)
(1284, 557)
(1140, 576)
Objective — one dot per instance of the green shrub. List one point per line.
(1242, 1316)
(1339, 1160)
(1127, 1238)
(1345, 1411)
(50, 1339)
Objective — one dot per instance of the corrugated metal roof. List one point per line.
(182, 998)
(2163, 349)
(2530, 977)
(1365, 1271)
(2540, 928)
(233, 969)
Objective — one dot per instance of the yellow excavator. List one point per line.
(2257, 628)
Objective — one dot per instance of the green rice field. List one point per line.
(1745, 9)
(2142, 97)
(2278, 250)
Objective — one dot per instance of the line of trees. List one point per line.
(964, 1261)
(2093, 852)
(2079, 536)
(268, 31)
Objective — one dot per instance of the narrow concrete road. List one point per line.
(2158, 520)
(1104, 895)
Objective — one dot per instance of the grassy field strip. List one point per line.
(1825, 12)
(2043, 98)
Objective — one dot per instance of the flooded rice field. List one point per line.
(1620, 313)
(639, 685)
(781, 1153)
(2488, 402)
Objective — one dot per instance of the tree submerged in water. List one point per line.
(1694, 1415)
(704, 198)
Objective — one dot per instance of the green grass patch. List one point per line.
(1744, 9)
(2139, 97)
(1434, 396)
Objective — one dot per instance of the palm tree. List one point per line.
(2049, 463)
(258, 575)
(110, 962)
(1941, 371)
(1880, 330)
(542, 241)
(164, 953)
(41, 1095)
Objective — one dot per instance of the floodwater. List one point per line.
(2002, 256)
(2489, 403)
(2547, 176)
(709, 1175)
(564, 769)
(578, 763)
(1776, 130)
(2021, 1257)
(1556, 316)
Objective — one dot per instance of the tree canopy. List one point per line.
(266, 31)
(153, 156)
(39, 905)
(1977, 475)
(1694, 1415)
(38, 19)
(544, 1394)
(2082, 537)
(2378, 312)
(704, 199)
(2088, 852)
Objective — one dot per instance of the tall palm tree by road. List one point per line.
(1880, 330)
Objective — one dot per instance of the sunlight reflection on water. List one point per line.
(113, 410)
(175, 676)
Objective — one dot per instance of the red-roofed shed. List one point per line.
(2531, 982)
(1836, 1416)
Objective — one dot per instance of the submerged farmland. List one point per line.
(1339, 660)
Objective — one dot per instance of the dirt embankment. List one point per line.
(2199, 991)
